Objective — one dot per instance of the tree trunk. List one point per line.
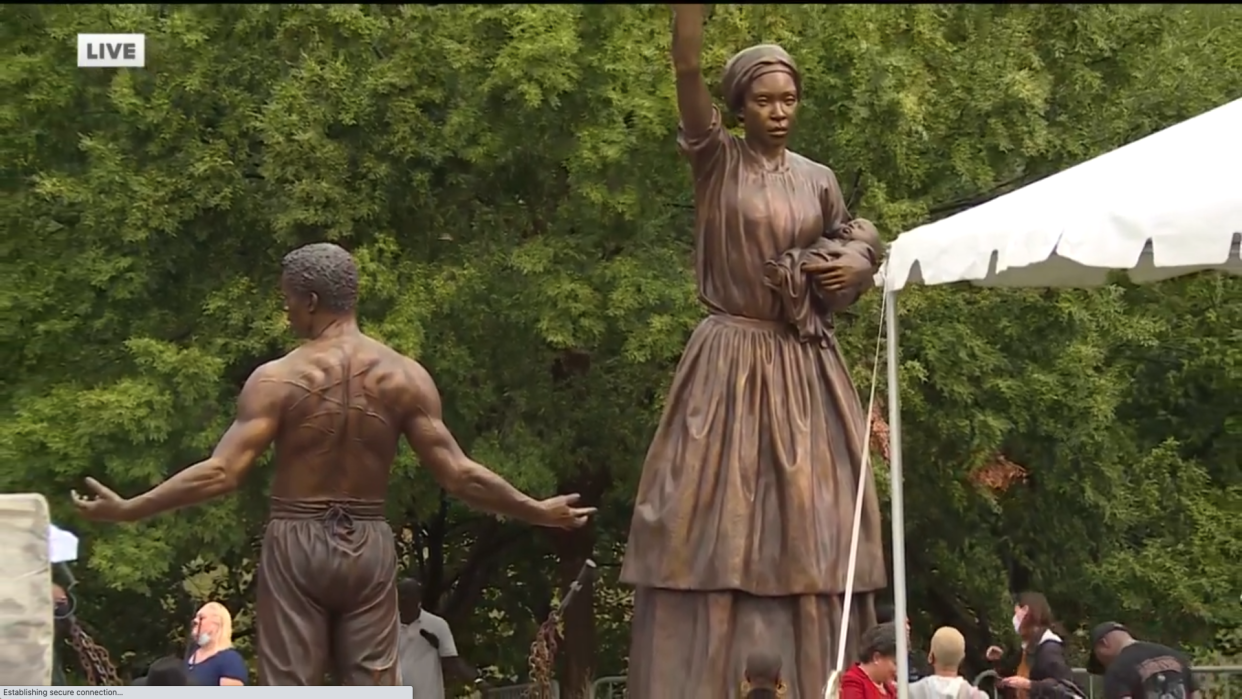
(576, 650)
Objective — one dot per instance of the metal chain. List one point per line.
(543, 648)
(542, 655)
(95, 659)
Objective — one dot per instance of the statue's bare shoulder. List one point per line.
(423, 421)
(416, 390)
(404, 384)
(263, 394)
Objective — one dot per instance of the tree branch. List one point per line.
(960, 205)
(855, 191)
(433, 580)
(468, 582)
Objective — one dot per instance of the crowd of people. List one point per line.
(1038, 669)
(427, 652)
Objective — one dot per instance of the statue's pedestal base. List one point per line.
(693, 645)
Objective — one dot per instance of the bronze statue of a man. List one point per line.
(742, 522)
(335, 408)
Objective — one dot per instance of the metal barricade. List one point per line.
(985, 676)
(1214, 682)
(609, 688)
(1219, 681)
(518, 691)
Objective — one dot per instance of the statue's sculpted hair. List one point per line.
(326, 270)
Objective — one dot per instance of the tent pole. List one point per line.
(896, 498)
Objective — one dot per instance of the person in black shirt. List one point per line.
(166, 672)
(1042, 671)
(1135, 669)
(885, 614)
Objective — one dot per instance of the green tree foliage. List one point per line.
(507, 177)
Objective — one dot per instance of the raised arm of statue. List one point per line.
(694, 102)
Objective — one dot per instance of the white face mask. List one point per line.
(1017, 622)
(203, 640)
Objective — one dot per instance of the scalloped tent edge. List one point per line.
(1161, 207)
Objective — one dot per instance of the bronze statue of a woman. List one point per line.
(743, 518)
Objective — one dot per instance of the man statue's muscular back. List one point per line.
(335, 408)
(344, 401)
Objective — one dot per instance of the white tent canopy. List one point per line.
(1166, 205)
(1163, 206)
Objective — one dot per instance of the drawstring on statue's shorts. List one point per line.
(338, 515)
(338, 522)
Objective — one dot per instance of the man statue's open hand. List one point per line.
(103, 506)
(559, 512)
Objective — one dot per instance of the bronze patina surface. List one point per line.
(335, 408)
(742, 524)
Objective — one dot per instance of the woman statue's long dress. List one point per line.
(741, 529)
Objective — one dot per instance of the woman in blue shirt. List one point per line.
(214, 662)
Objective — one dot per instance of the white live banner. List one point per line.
(209, 692)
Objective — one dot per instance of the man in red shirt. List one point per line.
(872, 677)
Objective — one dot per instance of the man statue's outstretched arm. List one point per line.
(438, 450)
(252, 432)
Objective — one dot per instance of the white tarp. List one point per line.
(1163, 206)
(26, 631)
(62, 545)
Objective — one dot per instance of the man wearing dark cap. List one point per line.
(886, 614)
(1135, 669)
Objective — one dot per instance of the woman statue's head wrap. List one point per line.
(748, 65)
